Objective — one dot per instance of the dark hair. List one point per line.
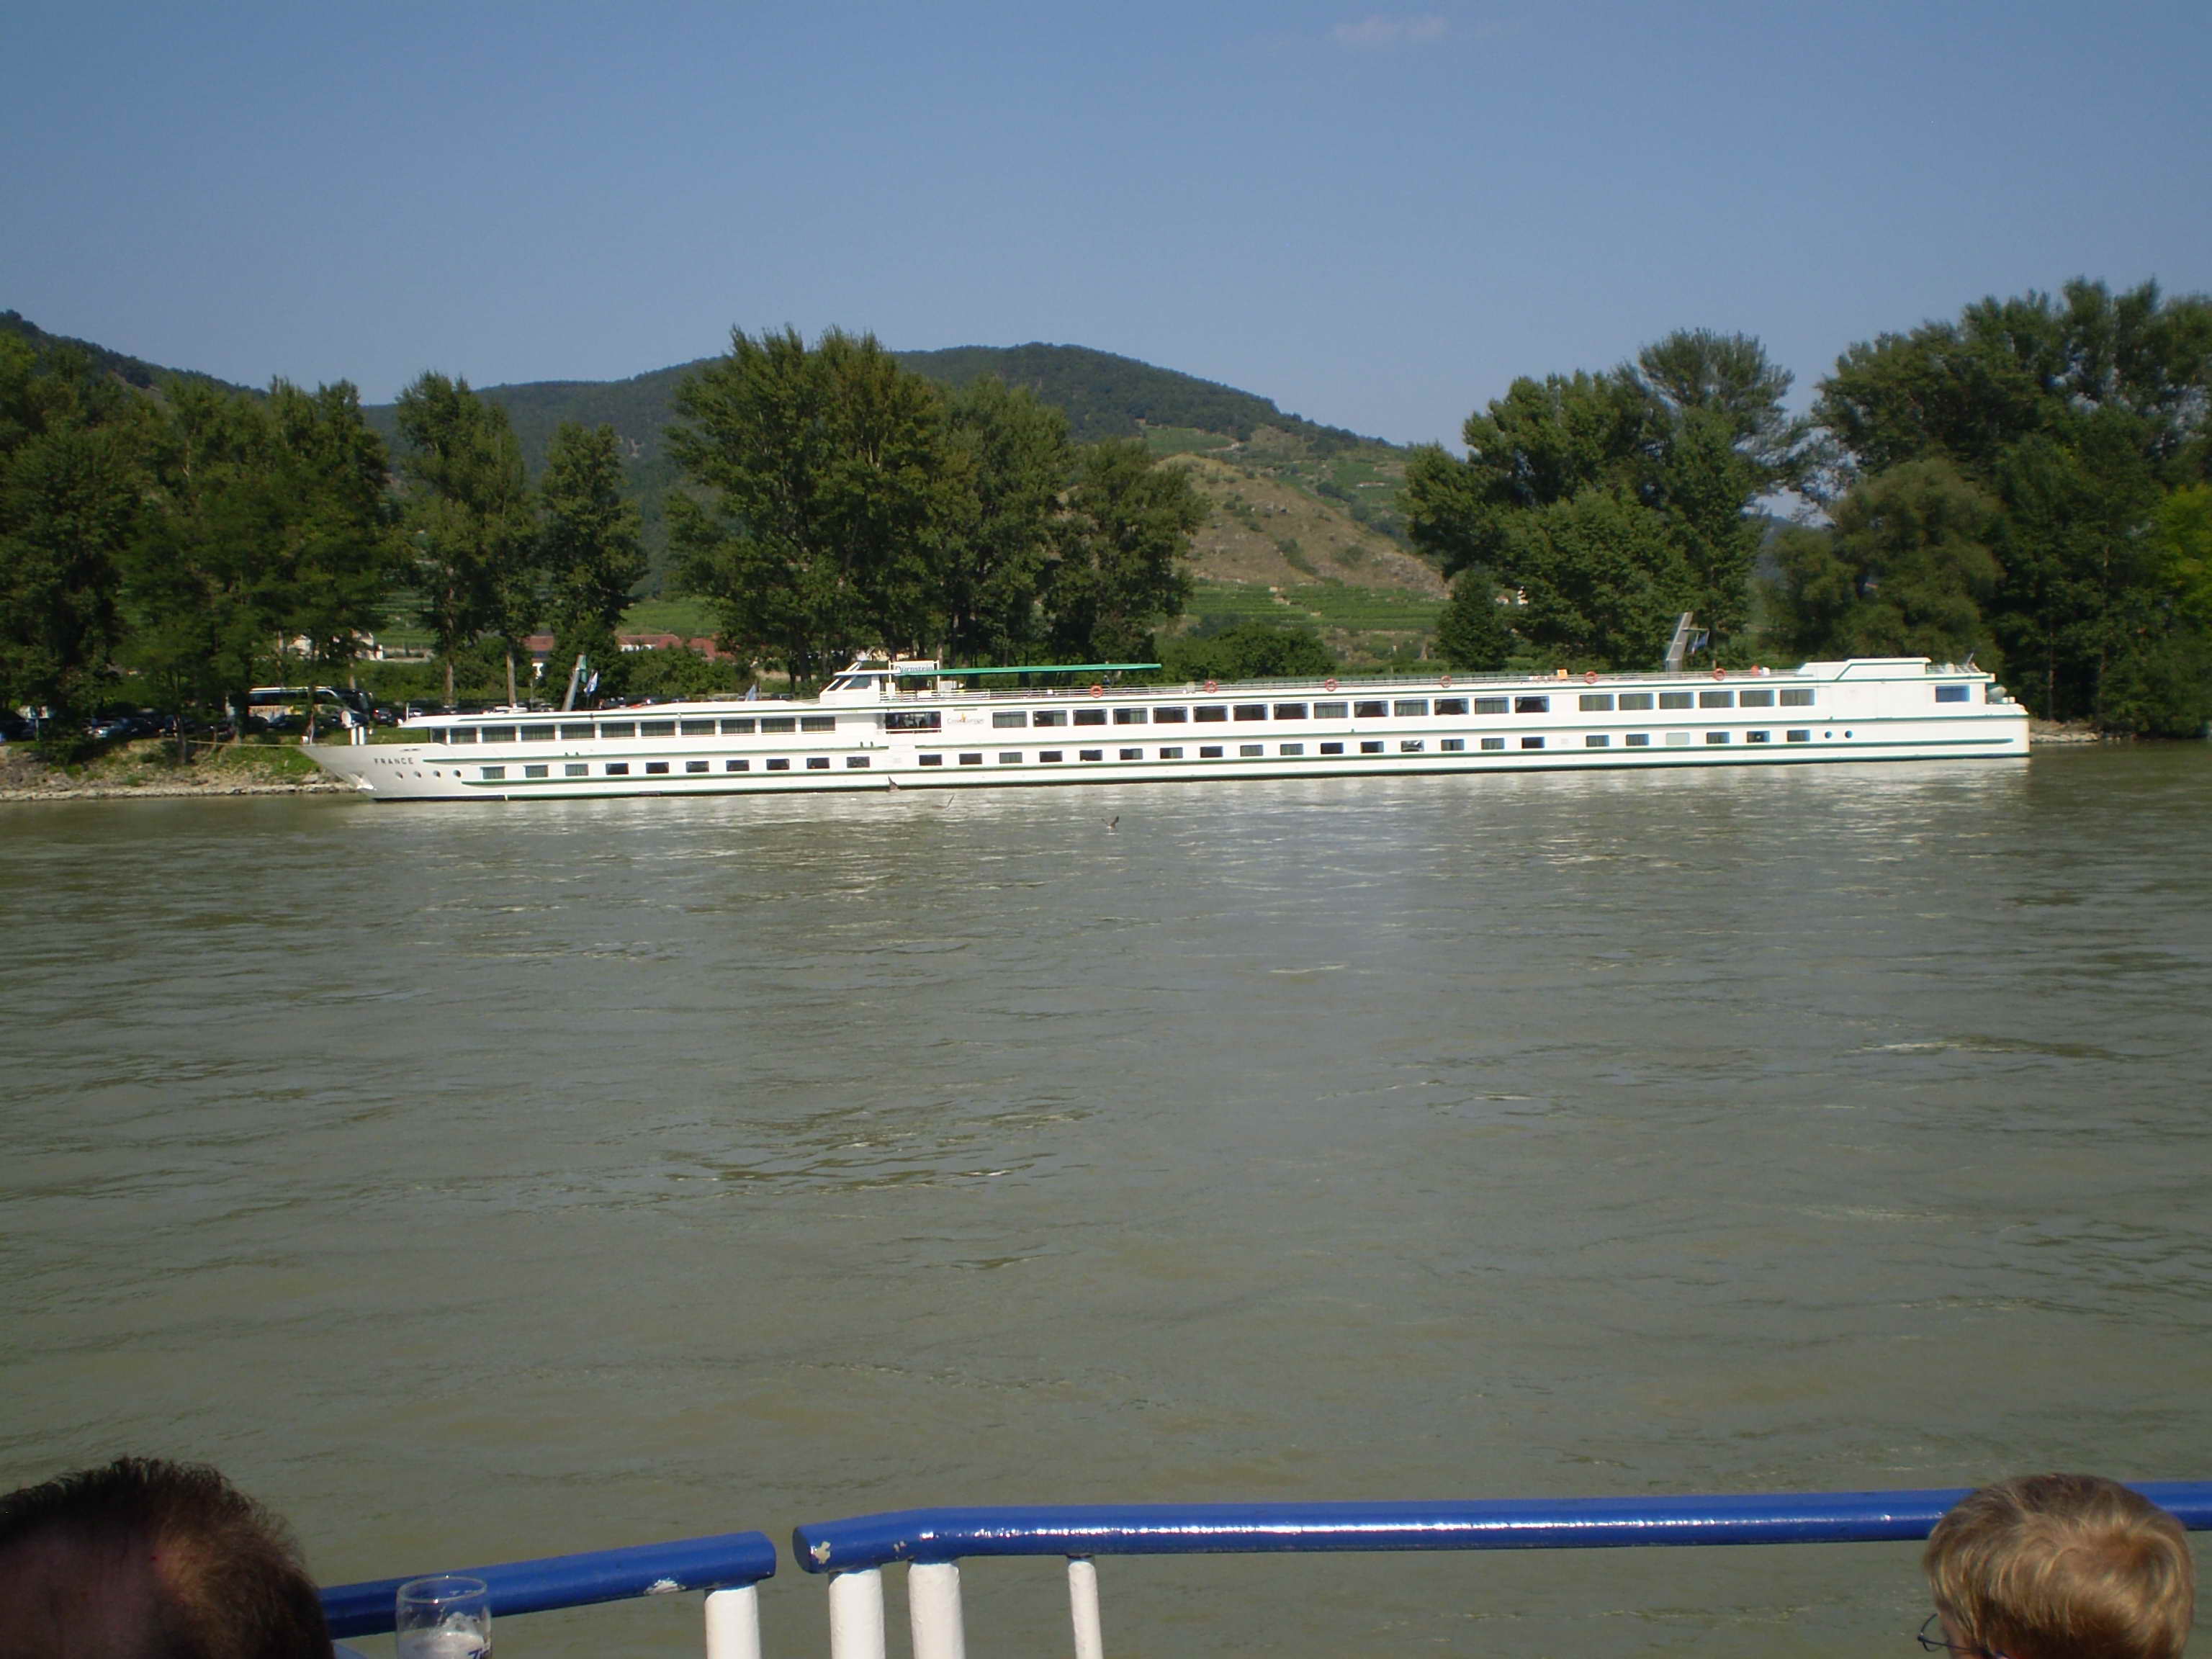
(141, 1558)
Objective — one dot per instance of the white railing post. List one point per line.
(932, 1600)
(733, 1623)
(1083, 1606)
(856, 1615)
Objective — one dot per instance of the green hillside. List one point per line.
(133, 371)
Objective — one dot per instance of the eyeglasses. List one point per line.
(1936, 1643)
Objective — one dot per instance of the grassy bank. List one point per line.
(152, 768)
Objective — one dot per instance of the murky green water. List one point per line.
(481, 1182)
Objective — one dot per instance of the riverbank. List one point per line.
(151, 770)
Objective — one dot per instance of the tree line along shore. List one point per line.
(2028, 486)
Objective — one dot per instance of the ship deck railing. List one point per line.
(852, 1554)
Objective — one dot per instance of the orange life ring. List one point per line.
(1590, 677)
(1444, 680)
(1326, 685)
(1097, 690)
(1720, 674)
(1758, 668)
(1211, 686)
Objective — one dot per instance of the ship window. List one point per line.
(1290, 711)
(1373, 748)
(1210, 751)
(1453, 746)
(933, 760)
(856, 763)
(1129, 717)
(656, 766)
(617, 769)
(1170, 716)
(1332, 748)
(1374, 709)
(971, 760)
(1763, 698)
(1171, 754)
(656, 728)
(1677, 739)
(1410, 706)
(576, 734)
(1532, 706)
(1532, 742)
(575, 769)
(695, 728)
(1248, 750)
(818, 722)
(1950, 693)
(538, 732)
(772, 766)
(1799, 696)
(923, 719)
(536, 771)
(1049, 717)
(1212, 712)
(818, 762)
(1758, 737)
(736, 766)
(1451, 705)
(1637, 739)
(694, 766)
(617, 729)
(1132, 754)
(1715, 699)
(1596, 702)
(1675, 700)
(1090, 754)
(1490, 705)
(1329, 711)
(1717, 737)
(1410, 745)
(1493, 743)
(770, 723)
(1049, 756)
(1251, 711)
(1800, 736)
(496, 734)
(458, 734)
(494, 771)
(1009, 757)
(1293, 748)
(1091, 717)
(1635, 700)
(736, 728)
(1597, 741)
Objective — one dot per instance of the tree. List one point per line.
(466, 519)
(1473, 632)
(821, 497)
(1013, 459)
(1249, 651)
(1655, 463)
(1902, 571)
(72, 448)
(588, 545)
(1122, 544)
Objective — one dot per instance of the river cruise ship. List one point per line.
(915, 724)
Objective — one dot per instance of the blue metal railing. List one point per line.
(726, 1562)
(932, 1542)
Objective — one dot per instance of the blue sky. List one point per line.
(1377, 216)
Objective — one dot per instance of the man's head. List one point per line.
(2062, 1566)
(145, 1559)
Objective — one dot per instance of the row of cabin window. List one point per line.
(585, 731)
(1369, 746)
(1395, 708)
(662, 768)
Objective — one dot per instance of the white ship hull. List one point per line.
(946, 736)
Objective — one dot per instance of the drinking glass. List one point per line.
(448, 1617)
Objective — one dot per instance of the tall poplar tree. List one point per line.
(588, 546)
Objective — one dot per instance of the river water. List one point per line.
(482, 1182)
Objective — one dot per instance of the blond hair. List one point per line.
(2063, 1566)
